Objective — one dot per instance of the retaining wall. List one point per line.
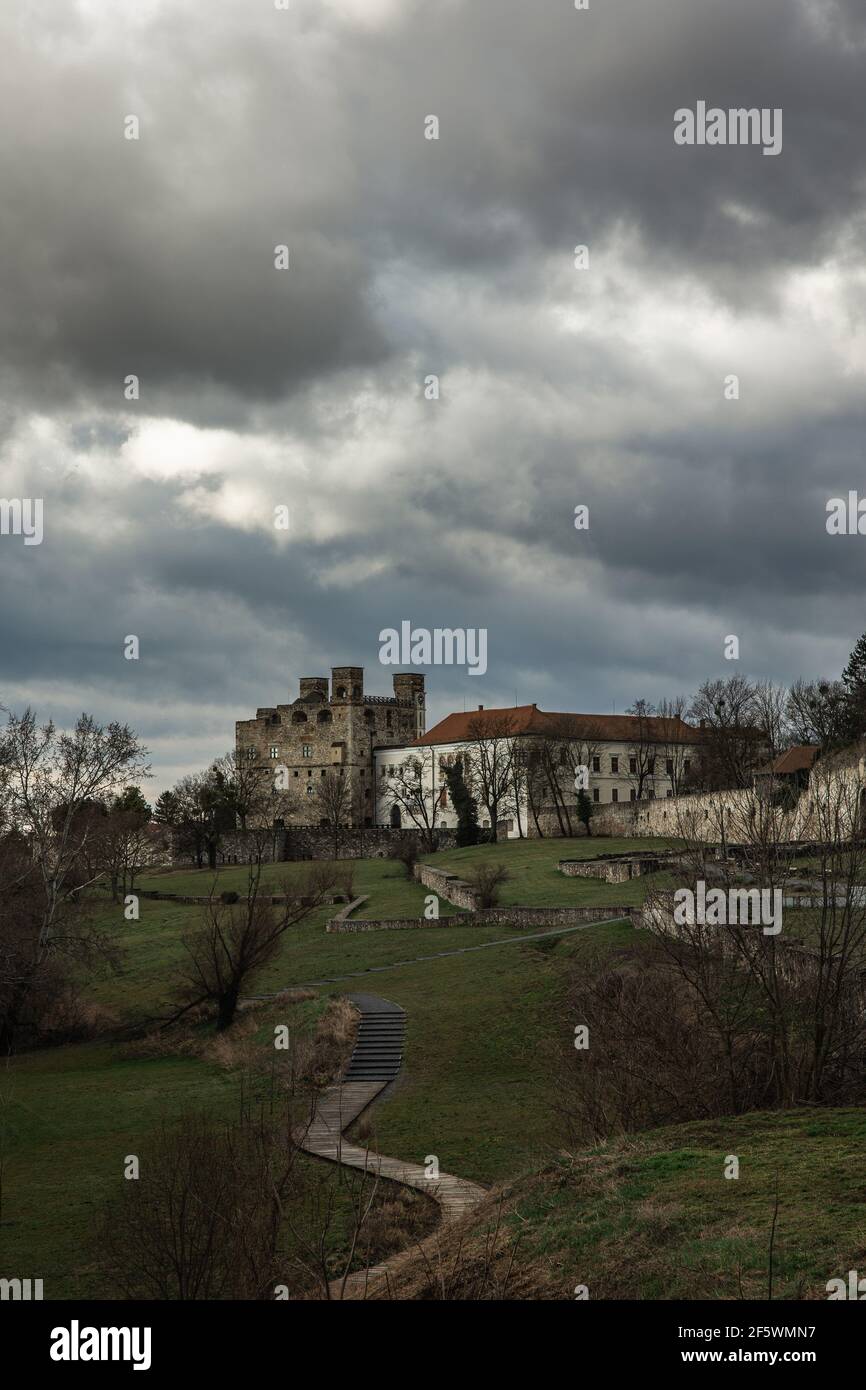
(519, 918)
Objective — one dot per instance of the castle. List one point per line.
(336, 731)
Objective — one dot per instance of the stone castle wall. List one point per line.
(311, 842)
(336, 731)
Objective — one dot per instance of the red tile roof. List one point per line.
(797, 759)
(529, 719)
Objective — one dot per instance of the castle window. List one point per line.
(310, 789)
(324, 716)
(356, 692)
(341, 692)
(275, 752)
(322, 773)
(307, 750)
(251, 753)
(298, 717)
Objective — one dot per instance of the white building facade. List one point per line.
(527, 762)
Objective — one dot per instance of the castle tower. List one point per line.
(409, 689)
(314, 685)
(347, 683)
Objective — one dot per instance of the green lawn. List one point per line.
(535, 881)
(478, 1086)
(478, 1090)
(654, 1217)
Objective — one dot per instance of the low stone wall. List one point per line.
(373, 842)
(612, 868)
(308, 842)
(233, 897)
(519, 918)
(455, 890)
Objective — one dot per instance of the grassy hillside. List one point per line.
(653, 1217)
(648, 1217)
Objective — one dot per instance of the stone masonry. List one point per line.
(332, 730)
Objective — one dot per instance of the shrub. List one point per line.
(487, 880)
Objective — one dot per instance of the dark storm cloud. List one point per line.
(408, 257)
(257, 128)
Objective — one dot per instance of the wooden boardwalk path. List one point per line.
(375, 1062)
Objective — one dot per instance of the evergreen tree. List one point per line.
(464, 804)
(854, 680)
(585, 809)
(131, 799)
(167, 808)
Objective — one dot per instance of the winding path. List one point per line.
(375, 1062)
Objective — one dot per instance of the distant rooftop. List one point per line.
(529, 719)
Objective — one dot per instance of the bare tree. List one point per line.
(489, 759)
(675, 741)
(818, 712)
(487, 879)
(642, 749)
(53, 784)
(733, 743)
(413, 791)
(333, 802)
(235, 939)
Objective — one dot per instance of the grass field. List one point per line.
(478, 1089)
(652, 1216)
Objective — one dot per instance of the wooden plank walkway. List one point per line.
(339, 1106)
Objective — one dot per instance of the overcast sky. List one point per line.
(408, 257)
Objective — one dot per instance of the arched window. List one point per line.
(396, 818)
(298, 717)
(341, 692)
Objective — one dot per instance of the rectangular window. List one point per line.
(632, 795)
(669, 795)
(275, 752)
(651, 765)
(307, 750)
(614, 764)
(595, 796)
(651, 796)
(687, 762)
(632, 764)
(669, 765)
(596, 764)
(614, 796)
